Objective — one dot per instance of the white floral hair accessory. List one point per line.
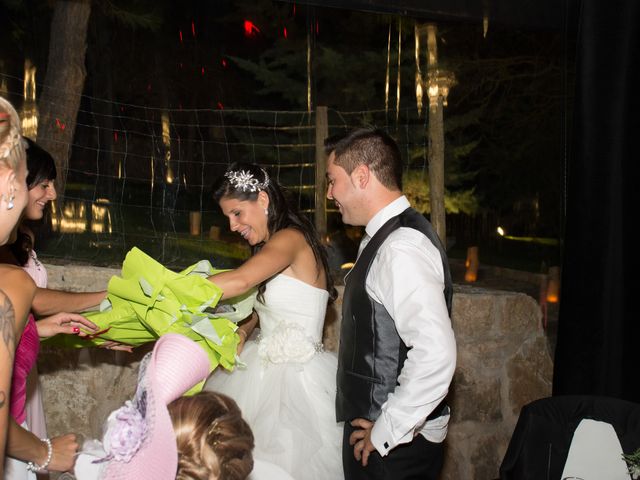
(245, 181)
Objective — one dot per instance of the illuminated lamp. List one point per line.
(472, 263)
(553, 285)
(195, 222)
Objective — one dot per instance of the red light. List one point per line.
(220, 106)
(284, 32)
(224, 63)
(250, 28)
(180, 32)
(193, 28)
(202, 71)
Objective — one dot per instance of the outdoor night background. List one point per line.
(241, 80)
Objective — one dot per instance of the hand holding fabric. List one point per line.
(149, 300)
(63, 322)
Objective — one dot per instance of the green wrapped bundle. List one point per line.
(149, 300)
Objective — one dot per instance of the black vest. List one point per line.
(372, 353)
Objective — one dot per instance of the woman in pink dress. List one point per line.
(27, 426)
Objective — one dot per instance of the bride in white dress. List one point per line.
(287, 391)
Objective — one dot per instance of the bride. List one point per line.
(287, 391)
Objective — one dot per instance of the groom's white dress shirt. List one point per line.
(407, 278)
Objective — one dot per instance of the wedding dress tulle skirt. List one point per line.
(291, 410)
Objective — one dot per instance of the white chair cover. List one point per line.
(595, 453)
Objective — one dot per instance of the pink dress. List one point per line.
(26, 398)
(26, 401)
(25, 359)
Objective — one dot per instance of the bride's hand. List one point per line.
(245, 328)
(122, 347)
(70, 323)
(242, 333)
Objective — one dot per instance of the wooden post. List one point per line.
(436, 171)
(322, 132)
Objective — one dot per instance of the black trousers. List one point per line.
(418, 460)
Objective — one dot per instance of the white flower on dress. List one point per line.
(288, 343)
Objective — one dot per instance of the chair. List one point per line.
(540, 442)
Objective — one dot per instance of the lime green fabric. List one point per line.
(149, 300)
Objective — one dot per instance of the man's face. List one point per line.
(343, 190)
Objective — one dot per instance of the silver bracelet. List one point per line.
(34, 467)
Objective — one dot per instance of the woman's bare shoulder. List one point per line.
(15, 279)
(289, 235)
(12, 272)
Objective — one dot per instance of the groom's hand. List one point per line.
(361, 440)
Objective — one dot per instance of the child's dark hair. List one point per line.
(281, 214)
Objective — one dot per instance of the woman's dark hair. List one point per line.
(281, 213)
(40, 164)
(42, 168)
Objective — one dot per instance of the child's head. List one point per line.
(161, 435)
(214, 442)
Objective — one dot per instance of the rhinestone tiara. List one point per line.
(245, 181)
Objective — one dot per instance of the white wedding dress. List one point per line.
(287, 391)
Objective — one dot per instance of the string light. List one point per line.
(30, 109)
(250, 28)
(386, 82)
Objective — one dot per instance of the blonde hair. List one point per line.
(214, 442)
(12, 146)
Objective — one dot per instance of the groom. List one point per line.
(397, 349)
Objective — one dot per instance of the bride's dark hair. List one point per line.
(281, 213)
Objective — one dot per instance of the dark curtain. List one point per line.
(599, 324)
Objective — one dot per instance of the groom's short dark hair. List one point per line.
(372, 147)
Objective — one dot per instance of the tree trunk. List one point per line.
(99, 62)
(64, 81)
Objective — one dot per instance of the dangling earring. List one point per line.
(266, 212)
(10, 200)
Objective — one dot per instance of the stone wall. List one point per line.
(503, 363)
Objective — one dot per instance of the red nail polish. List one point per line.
(76, 330)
